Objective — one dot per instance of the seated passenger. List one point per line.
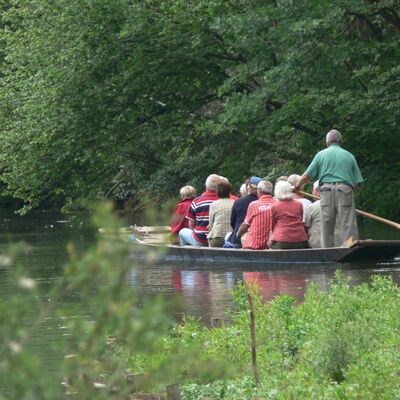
(288, 231)
(226, 180)
(220, 215)
(313, 220)
(239, 211)
(281, 178)
(257, 223)
(178, 222)
(196, 234)
(243, 190)
(305, 202)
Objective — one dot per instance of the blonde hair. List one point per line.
(187, 192)
(283, 191)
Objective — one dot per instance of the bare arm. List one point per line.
(192, 224)
(302, 181)
(242, 230)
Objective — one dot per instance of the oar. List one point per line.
(363, 213)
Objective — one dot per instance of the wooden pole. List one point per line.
(173, 392)
(363, 213)
(253, 339)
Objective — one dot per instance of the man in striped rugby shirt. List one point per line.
(196, 234)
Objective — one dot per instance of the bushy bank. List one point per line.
(339, 344)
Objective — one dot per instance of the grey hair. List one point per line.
(283, 191)
(334, 136)
(282, 178)
(187, 192)
(212, 182)
(243, 189)
(265, 187)
(292, 179)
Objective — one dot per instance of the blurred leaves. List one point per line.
(342, 343)
(111, 323)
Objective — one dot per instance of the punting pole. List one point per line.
(363, 213)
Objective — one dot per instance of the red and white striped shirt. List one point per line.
(259, 218)
(198, 212)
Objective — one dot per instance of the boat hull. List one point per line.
(360, 251)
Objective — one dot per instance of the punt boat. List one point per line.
(154, 240)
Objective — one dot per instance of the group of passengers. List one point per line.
(279, 219)
(261, 218)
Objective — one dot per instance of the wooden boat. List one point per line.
(153, 239)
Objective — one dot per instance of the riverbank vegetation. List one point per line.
(341, 343)
(132, 99)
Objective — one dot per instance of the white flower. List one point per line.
(15, 347)
(27, 283)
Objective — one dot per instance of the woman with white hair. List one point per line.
(187, 194)
(288, 231)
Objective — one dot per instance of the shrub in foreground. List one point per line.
(339, 344)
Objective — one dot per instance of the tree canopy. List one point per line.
(128, 98)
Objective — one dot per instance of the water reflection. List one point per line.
(204, 289)
(272, 285)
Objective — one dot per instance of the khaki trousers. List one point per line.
(216, 242)
(338, 214)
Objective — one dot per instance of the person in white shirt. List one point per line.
(292, 179)
(313, 220)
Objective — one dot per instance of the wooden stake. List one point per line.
(253, 339)
(173, 392)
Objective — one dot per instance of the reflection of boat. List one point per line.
(152, 238)
(273, 284)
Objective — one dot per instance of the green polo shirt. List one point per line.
(335, 164)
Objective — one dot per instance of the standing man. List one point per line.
(196, 234)
(339, 176)
(257, 223)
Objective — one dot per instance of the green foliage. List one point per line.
(343, 343)
(92, 362)
(126, 98)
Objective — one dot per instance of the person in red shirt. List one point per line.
(257, 222)
(288, 230)
(178, 222)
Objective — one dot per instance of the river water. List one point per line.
(204, 290)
